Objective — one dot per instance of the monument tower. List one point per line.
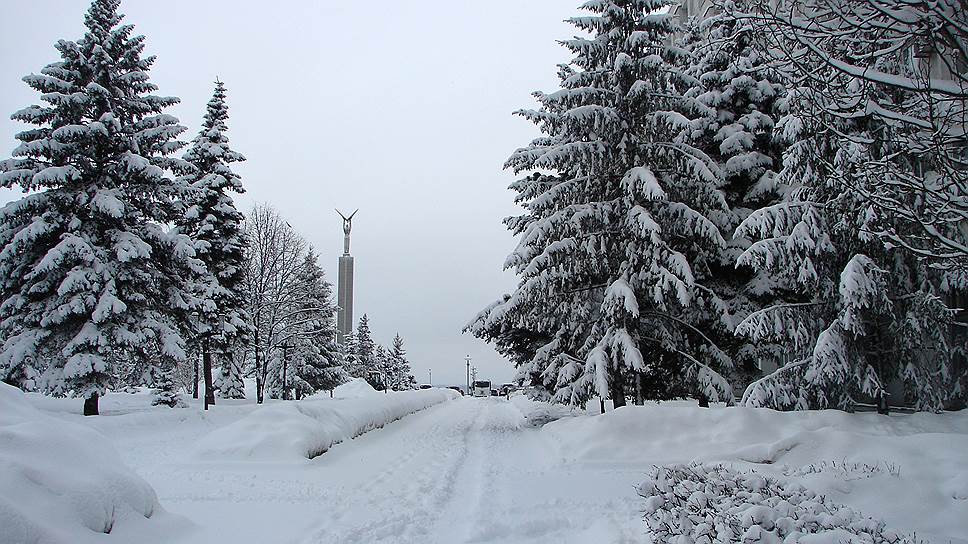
(344, 290)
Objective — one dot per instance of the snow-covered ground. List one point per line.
(911, 470)
(486, 470)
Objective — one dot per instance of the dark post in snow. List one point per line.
(882, 406)
(207, 372)
(467, 389)
(90, 405)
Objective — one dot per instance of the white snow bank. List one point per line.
(355, 388)
(301, 430)
(920, 485)
(61, 481)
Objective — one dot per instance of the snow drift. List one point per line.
(290, 431)
(61, 481)
(356, 387)
(906, 469)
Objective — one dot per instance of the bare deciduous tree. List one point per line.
(285, 310)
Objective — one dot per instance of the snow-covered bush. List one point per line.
(704, 503)
(846, 470)
(62, 482)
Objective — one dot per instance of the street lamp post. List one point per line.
(430, 371)
(467, 389)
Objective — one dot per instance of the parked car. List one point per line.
(494, 392)
(426, 386)
(455, 388)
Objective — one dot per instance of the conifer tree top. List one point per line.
(210, 152)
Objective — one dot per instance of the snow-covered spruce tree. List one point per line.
(229, 380)
(318, 365)
(90, 275)
(731, 100)
(869, 311)
(349, 356)
(166, 386)
(362, 361)
(213, 223)
(381, 373)
(902, 67)
(616, 216)
(401, 373)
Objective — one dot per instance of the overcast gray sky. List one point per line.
(400, 108)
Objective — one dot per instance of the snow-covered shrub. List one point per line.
(166, 392)
(704, 503)
(846, 470)
(538, 412)
(61, 482)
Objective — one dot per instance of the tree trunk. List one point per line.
(882, 407)
(639, 396)
(601, 401)
(195, 383)
(703, 401)
(285, 382)
(207, 373)
(90, 405)
(258, 370)
(331, 392)
(616, 391)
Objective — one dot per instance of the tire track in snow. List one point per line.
(482, 496)
(403, 498)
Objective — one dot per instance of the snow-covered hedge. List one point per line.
(61, 481)
(290, 431)
(706, 504)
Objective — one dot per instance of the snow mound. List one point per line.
(355, 388)
(716, 504)
(675, 432)
(906, 469)
(60, 481)
(300, 430)
(538, 413)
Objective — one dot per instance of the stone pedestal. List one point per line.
(344, 298)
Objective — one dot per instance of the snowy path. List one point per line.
(465, 471)
(469, 470)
